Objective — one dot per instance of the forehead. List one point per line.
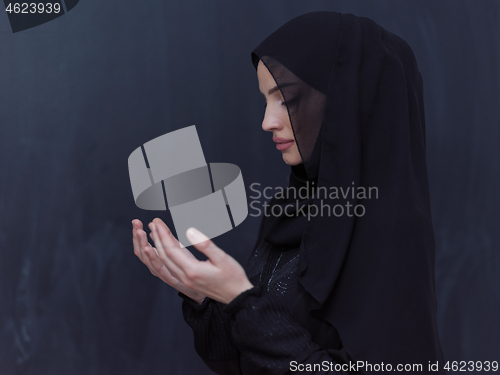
(266, 80)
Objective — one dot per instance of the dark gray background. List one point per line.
(80, 93)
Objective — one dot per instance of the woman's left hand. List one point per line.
(220, 277)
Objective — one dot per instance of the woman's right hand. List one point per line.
(149, 256)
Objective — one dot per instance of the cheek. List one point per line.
(284, 116)
(296, 154)
(282, 113)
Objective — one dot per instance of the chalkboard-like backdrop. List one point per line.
(81, 92)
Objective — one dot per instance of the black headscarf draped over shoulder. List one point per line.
(355, 101)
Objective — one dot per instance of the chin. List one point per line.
(291, 159)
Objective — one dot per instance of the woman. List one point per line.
(341, 282)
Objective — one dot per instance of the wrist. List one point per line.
(199, 300)
(241, 289)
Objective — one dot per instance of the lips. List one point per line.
(282, 140)
(283, 143)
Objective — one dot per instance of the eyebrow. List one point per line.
(276, 88)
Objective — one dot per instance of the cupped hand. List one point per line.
(150, 257)
(220, 277)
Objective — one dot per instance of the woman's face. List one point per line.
(276, 119)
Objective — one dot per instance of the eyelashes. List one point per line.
(290, 102)
(287, 103)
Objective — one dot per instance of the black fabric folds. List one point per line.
(287, 229)
(358, 118)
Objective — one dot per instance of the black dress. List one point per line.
(267, 329)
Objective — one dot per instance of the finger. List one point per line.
(139, 238)
(143, 239)
(143, 242)
(137, 224)
(205, 245)
(140, 243)
(176, 254)
(162, 271)
(147, 261)
(164, 252)
(169, 236)
(136, 239)
(153, 258)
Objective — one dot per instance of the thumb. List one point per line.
(205, 245)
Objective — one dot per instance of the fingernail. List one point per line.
(133, 225)
(196, 235)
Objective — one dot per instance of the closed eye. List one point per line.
(290, 102)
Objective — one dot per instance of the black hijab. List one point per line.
(356, 108)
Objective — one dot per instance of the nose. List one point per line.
(271, 122)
